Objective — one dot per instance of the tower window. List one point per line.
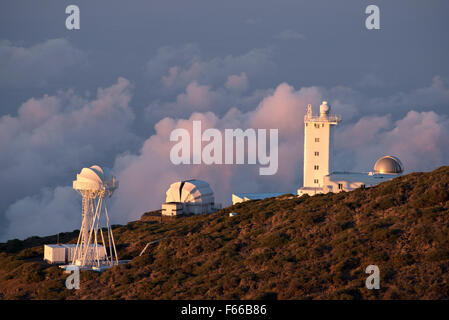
(317, 125)
(317, 139)
(340, 186)
(315, 181)
(317, 153)
(316, 167)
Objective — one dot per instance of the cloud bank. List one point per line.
(36, 65)
(53, 136)
(59, 134)
(50, 138)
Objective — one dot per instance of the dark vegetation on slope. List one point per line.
(286, 248)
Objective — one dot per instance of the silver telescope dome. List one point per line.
(388, 165)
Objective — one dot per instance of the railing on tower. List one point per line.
(332, 118)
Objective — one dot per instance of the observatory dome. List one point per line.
(324, 108)
(192, 191)
(388, 165)
(95, 178)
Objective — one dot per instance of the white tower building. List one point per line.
(319, 175)
(318, 148)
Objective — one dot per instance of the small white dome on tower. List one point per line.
(324, 108)
(95, 178)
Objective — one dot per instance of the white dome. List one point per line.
(192, 191)
(324, 108)
(95, 178)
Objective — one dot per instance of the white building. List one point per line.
(64, 253)
(319, 176)
(242, 197)
(189, 197)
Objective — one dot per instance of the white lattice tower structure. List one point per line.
(95, 184)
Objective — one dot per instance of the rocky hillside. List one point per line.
(281, 248)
